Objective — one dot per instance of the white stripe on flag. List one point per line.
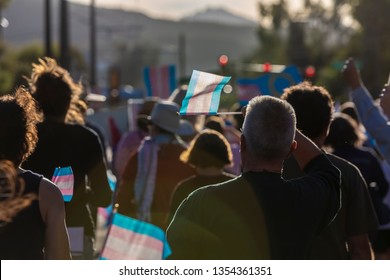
(203, 93)
(130, 251)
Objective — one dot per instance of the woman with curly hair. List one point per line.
(32, 214)
(64, 142)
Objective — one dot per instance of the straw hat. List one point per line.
(165, 115)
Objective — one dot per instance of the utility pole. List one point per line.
(64, 36)
(1, 24)
(92, 78)
(47, 24)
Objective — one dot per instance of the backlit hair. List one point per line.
(12, 199)
(313, 106)
(269, 127)
(18, 119)
(54, 89)
(208, 149)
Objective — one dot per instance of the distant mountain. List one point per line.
(219, 15)
(120, 32)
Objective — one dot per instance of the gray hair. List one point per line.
(269, 127)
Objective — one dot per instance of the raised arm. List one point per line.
(306, 150)
(53, 213)
(385, 99)
(371, 115)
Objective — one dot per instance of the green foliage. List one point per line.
(373, 16)
(4, 4)
(324, 36)
(16, 64)
(133, 60)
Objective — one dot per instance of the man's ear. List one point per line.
(293, 147)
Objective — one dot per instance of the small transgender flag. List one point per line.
(63, 178)
(131, 239)
(203, 94)
(160, 81)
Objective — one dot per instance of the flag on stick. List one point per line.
(203, 94)
(131, 239)
(160, 81)
(63, 178)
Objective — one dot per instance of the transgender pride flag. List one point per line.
(203, 94)
(63, 178)
(160, 80)
(131, 239)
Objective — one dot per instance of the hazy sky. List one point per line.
(175, 9)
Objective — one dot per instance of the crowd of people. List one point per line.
(288, 179)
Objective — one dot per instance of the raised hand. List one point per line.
(351, 74)
(385, 99)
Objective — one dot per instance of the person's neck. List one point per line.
(209, 171)
(55, 119)
(261, 165)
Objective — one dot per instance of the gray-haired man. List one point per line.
(259, 215)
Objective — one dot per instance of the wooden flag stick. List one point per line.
(218, 113)
(229, 113)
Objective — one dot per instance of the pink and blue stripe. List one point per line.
(64, 180)
(160, 80)
(131, 239)
(203, 94)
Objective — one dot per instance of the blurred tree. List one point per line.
(132, 60)
(15, 64)
(373, 17)
(6, 65)
(312, 35)
(4, 4)
(274, 20)
(23, 60)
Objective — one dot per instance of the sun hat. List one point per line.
(165, 115)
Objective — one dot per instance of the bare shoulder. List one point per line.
(50, 197)
(49, 190)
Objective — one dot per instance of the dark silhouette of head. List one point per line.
(54, 89)
(344, 131)
(313, 106)
(208, 149)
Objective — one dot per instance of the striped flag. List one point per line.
(131, 239)
(63, 178)
(203, 94)
(160, 81)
